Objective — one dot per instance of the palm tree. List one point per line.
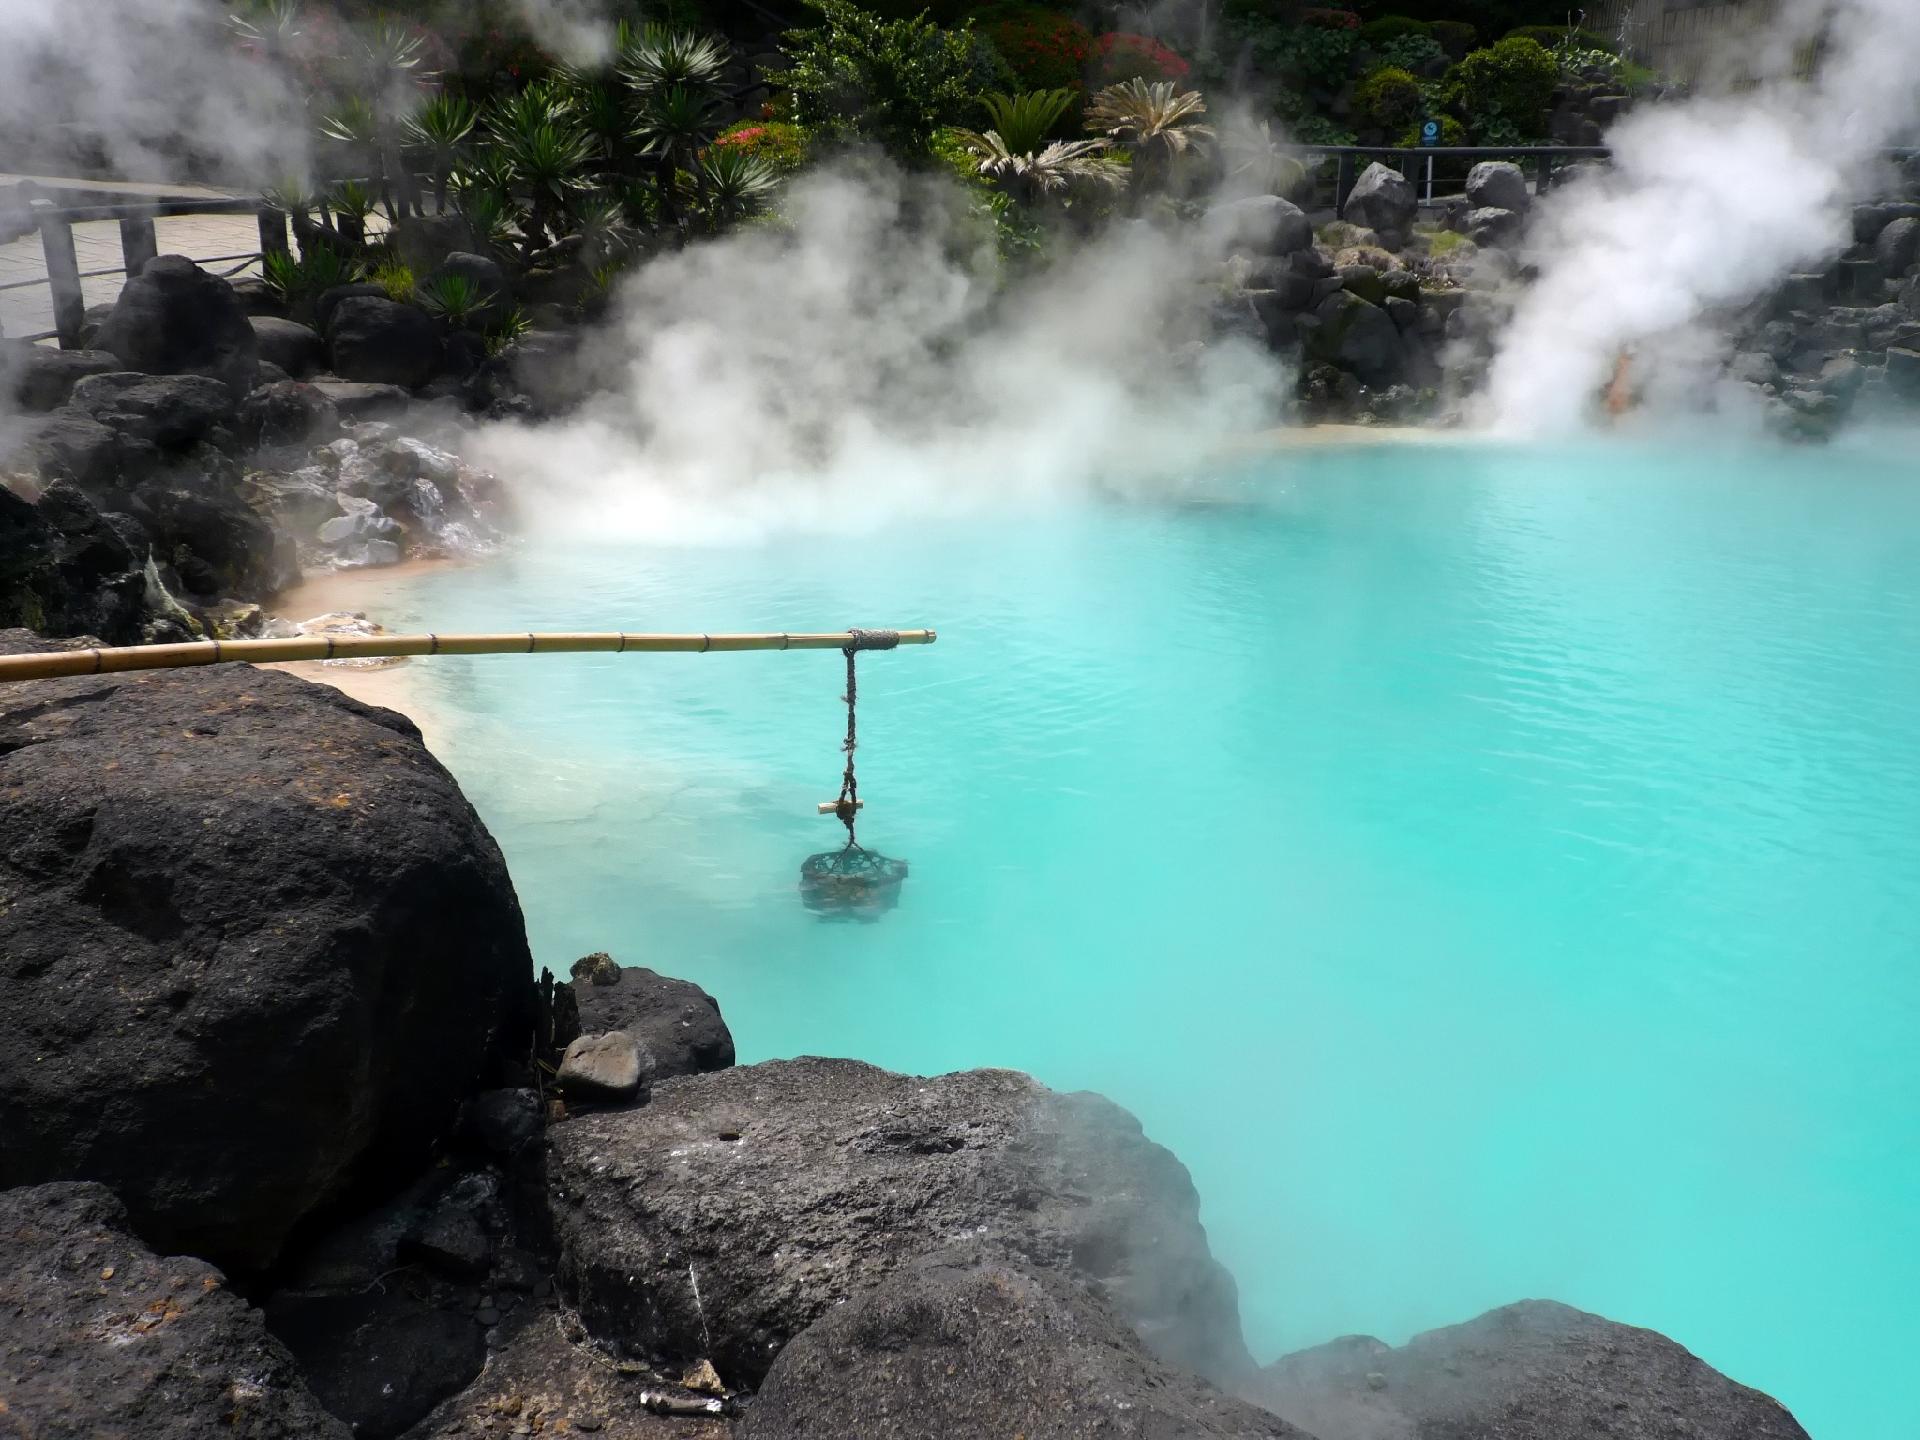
(1156, 122)
(1024, 121)
(659, 57)
(733, 184)
(442, 126)
(544, 151)
(1259, 160)
(674, 125)
(1056, 170)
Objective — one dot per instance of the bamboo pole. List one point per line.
(105, 661)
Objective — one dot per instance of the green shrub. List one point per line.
(1505, 88)
(1419, 53)
(1456, 37)
(1376, 33)
(894, 81)
(394, 277)
(1045, 50)
(1389, 99)
(1443, 243)
(1556, 36)
(780, 143)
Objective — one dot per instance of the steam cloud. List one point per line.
(861, 366)
(1708, 203)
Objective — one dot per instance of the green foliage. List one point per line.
(1419, 53)
(675, 123)
(894, 81)
(319, 269)
(396, 279)
(1452, 132)
(1456, 37)
(1387, 28)
(1443, 243)
(659, 57)
(352, 199)
(1555, 37)
(1389, 98)
(1306, 125)
(732, 184)
(508, 327)
(1025, 121)
(1017, 235)
(456, 299)
(779, 144)
(1045, 50)
(1258, 160)
(1504, 91)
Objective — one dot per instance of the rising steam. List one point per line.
(1709, 202)
(861, 364)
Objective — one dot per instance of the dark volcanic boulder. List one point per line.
(353, 401)
(198, 516)
(488, 279)
(1534, 1371)
(39, 377)
(1499, 185)
(1261, 224)
(1383, 201)
(254, 945)
(70, 443)
(287, 412)
(173, 318)
(65, 571)
(383, 1358)
(792, 1185)
(1494, 226)
(677, 1021)
(168, 411)
(295, 348)
(1897, 247)
(959, 1346)
(101, 1339)
(377, 341)
(1358, 336)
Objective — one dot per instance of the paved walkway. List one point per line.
(29, 310)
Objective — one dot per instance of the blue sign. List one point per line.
(1430, 133)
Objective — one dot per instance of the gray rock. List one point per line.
(1868, 222)
(1405, 313)
(965, 1346)
(376, 341)
(323, 307)
(299, 501)
(793, 1185)
(488, 277)
(286, 412)
(40, 378)
(72, 444)
(1383, 201)
(287, 954)
(1491, 226)
(295, 348)
(1897, 247)
(1359, 337)
(362, 520)
(174, 318)
(196, 511)
(677, 1022)
(64, 570)
(355, 401)
(608, 1067)
(1903, 373)
(1498, 185)
(502, 1122)
(1261, 224)
(168, 411)
(1535, 1370)
(100, 1337)
(1364, 281)
(1756, 368)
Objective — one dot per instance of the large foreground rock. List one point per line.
(1532, 1371)
(38, 377)
(168, 411)
(967, 1347)
(101, 1339)
(1499, 184)
(1383, 201)
(788, 1187)
(174, 318)
(64, 570)
(254, 946)
(379, 342)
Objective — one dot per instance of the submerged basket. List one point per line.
(851, 882)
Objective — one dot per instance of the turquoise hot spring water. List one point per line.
(1495, 871)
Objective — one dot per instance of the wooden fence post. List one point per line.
(138, 243)
(63, 273)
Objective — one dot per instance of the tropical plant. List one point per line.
(456, 299)
(489, 211)
(267, 28)
(544, 152)
(1025, 121)
(396, 278)
(1058, 170)
(733, 184)
(658, 57)
(1258, 160)
(893, 81)
(442, 126)
(1158, 124)
(509, 326)
(317, 270)
(351, 202)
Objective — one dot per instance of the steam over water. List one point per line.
(1494, 872)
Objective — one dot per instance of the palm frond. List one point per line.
(1024, 120)
(658, 57)
(1139, 112)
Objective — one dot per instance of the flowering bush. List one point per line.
(1046, 51)
(779, 143)
(1121, 57)
(1330, 19)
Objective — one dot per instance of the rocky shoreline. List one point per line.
(291, 1145)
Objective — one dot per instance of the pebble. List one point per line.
(588, 1422)
(487, 1315)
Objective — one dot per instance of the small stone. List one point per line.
(1376, 1381)
(605, 1067)
(702, 1378)
(588, 1423)
(487, 1316)
(599, 968)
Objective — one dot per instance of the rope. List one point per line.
(849, 804)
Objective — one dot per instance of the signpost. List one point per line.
(1429, 137)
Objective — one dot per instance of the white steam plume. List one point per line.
(1708, 203)
(860, 367)
(149, 83)
(579, 32)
